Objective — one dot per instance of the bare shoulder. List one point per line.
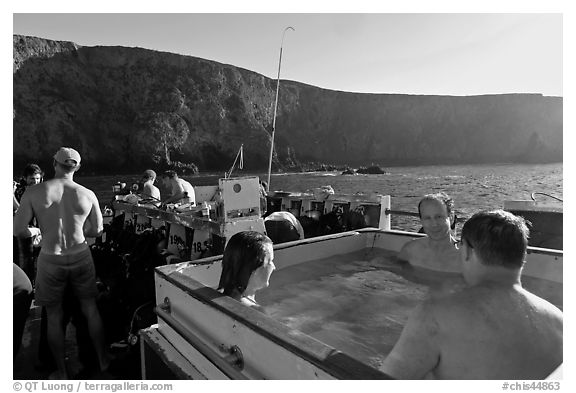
(84, 190)
(412, 248)
(542, 305)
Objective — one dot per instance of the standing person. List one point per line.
(149, 189)
(66, 212)
(32, 175)
(436, 251)
(26, 249)
(492, 329)
(181, 190)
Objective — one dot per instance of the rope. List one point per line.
(543, 193)
(241, 166)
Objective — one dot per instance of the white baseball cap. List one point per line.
(67, 156)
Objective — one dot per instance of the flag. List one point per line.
(241, 166)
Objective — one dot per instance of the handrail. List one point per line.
(401, 213)
(224, 364)
(414, 214)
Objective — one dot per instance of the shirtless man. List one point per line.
(437, 250)
(181, 190)
(149, 189)
(66, 214)
(493, 329)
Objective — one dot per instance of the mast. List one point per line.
(276, 107)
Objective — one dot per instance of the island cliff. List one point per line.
(126, 109)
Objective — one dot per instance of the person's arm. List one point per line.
(417, 351)
(191, 195)
(15, 204)
(23, 216)
(94, 225)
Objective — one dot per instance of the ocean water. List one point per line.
(473, 187)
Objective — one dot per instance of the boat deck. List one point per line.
(27, 366)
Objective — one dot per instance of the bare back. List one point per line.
(480, 333)
(66, 213)
(150, 189)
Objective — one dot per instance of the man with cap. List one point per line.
(66, 213)
(149, 189)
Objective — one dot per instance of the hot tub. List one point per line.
(335, 307)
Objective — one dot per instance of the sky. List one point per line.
(416, 53)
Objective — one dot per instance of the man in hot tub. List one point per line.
(492, 329)
(436, 251)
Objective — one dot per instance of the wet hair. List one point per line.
(440, 197)
(244, 253)
(498, 237)
(32, 169)
(169, 174)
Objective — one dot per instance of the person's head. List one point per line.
(67, 160)
(247, 263)
(148, 174)
(167, 176)
(436, 215)
(497, 238)
(32, 174)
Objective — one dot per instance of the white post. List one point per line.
(385, 222)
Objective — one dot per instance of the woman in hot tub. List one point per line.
(246, 266)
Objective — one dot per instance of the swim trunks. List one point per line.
(55, 272)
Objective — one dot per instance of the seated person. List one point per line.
(492, 329)
(283, 227)
(149, 190)
(181, 191)
(436, 251)
(246, 266)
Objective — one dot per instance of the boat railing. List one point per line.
(415, 214)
